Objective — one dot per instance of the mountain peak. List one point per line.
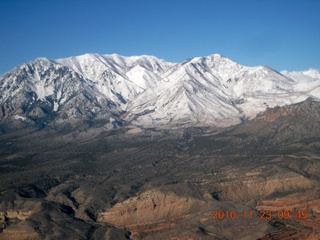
(216, 56)
(145, 91)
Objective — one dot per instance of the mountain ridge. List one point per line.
(144, 91)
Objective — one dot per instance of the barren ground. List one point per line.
(245, 182)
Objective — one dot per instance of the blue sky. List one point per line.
(283, 34)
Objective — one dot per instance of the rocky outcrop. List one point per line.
(242, 188)
(19, 229)
(290, 204)
(301, 208)
(150, 208)
(5, 111)
(21, 215)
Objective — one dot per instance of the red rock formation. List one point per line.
(150, 211)
(306, 226)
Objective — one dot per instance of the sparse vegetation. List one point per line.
(66, 179)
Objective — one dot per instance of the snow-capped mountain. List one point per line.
(120, 78)
(144, 91)
(213, 90)
(309, 75)
(43, 92)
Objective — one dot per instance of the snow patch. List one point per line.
(55, 106)
(17, 117)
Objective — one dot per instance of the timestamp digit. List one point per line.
(302, 214)
(221, 214)
(286, 214)
(214, 214)
(245, 214)
(266, 214)
(233, 214)
(283, 214)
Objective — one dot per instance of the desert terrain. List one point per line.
(256, 180)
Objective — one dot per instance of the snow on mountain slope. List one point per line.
(303, 76)
(42, 90)
(213, 90)
(120, 78)
(146, 91)
(307, 82)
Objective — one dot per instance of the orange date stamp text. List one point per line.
(262, 214)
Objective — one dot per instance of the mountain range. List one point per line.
(145, 92)
(112, 147)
